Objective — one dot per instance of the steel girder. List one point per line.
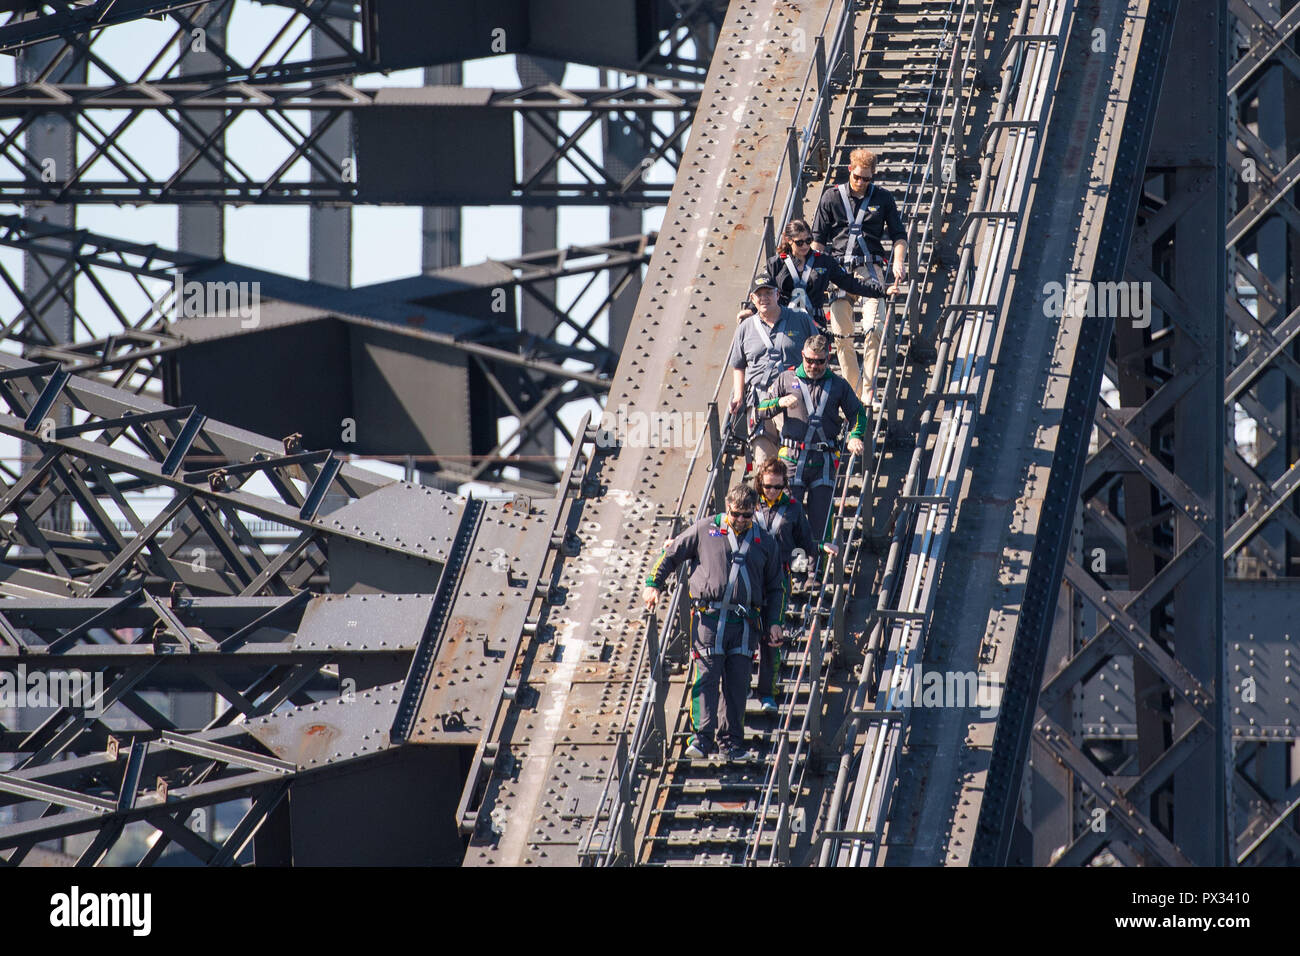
(186, 26)
(203, 538)
(309, 688)
(1102, 210)
(532, 377)
(103, 121)
(1151, 489)
(676, 38)
(1156, 438)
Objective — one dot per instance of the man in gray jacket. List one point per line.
(737, 595)
(765, 345)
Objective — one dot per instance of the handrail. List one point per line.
(617, 791)
(876, 768)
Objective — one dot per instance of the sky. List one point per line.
(386, 239)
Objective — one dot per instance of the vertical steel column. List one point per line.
(51, 141)
(329, 256)
(440, 233)
(1194, 121)
(621, 157)
(540, 227)
(202, 229)
(441, 224)
(1262, 381)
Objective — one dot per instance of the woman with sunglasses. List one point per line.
(802, 275)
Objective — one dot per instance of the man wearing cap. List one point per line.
(766, 344)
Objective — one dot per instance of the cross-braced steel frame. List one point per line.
(533, 376)
(1166, 749)
(111, 166)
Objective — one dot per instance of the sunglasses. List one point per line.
(741, 515)
(813, 361)
(861, 179)
(768, 487)
(801, 242)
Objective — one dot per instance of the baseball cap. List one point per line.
(762, 282)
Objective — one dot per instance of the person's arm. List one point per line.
(769, 406)
(803, 532)
(736, 359)
(823, 229)
(854, 411)
(682, 548)
(851, 283)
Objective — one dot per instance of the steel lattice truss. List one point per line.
(684, 50)
(216, 591)
(1262, 530)
(110, 168)
(286, 57)
(114, 448)
(1153, 440)
(306, 686)
(533, 376)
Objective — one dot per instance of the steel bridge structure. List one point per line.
(1059, 627)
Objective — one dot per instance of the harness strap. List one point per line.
(773, 353)
(855, 223)
(813, 435)
(799, 297)
(739, 552)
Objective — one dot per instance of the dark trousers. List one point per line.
(816, 501)
(731, 669)
(769, 669)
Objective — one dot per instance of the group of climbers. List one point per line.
(741, 560)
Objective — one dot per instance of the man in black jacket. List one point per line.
(816, 402)
(737, 595)
(851, 221)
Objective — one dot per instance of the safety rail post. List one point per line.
(889, 405)
(769, 239)
(936, 164)
(982, 79)
(626, 770)
(847, 48)
(815, 685)
(796, 173)
(716, 438)
(824, 110)
(658, 713)
(782, 835)
(837, 608)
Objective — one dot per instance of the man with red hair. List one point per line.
(851, 221)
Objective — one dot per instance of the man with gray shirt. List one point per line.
(765, 345)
